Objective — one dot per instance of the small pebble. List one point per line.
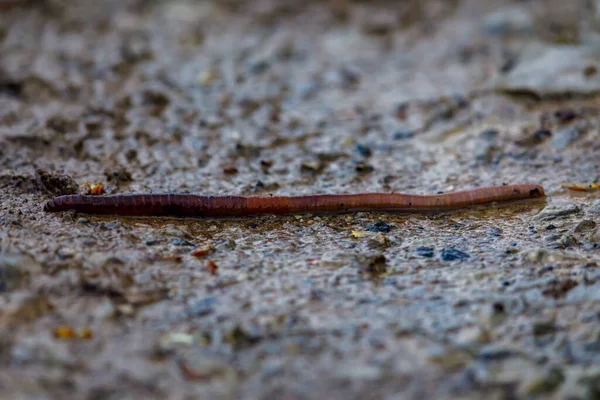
(557, 210)
(451, 254)
(565, 137)
(541, 135)
(259, 67)
(495, 353)
(595, 207)
(371, 263)
(226, 244)
(403, 135)
(489, 134)
(424, 251)
(379, 227)
(83, 220)
(542, 383)
(181, 242)
(203, 307)
(550, 227)
(547, 268)
(494, 232)
(111, 224)
(364, 168)
(585, 226)
(364, 151)
(543, 328)
(564, 116)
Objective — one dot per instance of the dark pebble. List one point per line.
(508, 64)
(541, 134)
(180, 242)
(543, 328)
(371, 263)
(401, 135)
(495, 354)
(117, 175)
(493, 233)
(259, 67)
(364, 168)
(451, 254)
(590, 71)
(550, 227)
(498, 308)
(488, 134)
(364, 151)
(266, 164)
(151, 242)
(592, 346)
(259, 185)
(425, 251)
(564, 116)
(203, 307)
(401, 111)
(379, 227)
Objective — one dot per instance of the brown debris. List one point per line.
(212, 267)
(560, 289)
(56, 184)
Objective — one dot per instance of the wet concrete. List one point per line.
(289, 98)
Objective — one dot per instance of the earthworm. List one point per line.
(190, 205)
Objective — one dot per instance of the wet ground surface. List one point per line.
(261, 97)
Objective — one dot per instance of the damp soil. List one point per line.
(298, 97)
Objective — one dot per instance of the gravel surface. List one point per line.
(298, 97)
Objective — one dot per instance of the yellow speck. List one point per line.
(358, 234)
(347, 142)
(85, 333)
(581, 187)
(207, 77)
(63, 332)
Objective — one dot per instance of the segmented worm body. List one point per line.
(189, 205)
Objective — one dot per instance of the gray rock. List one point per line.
(14, 270)
(595, 207)
(556, 210)
(543, 382)
(551, 238)
(225, 244)
(585, 226)
(23, 307)
(509, 21)
(562, 138)
(545, 70)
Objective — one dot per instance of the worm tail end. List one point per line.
(50, 206)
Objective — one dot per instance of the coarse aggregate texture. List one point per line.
(299, 97)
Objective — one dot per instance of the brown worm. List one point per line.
(189, 205)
